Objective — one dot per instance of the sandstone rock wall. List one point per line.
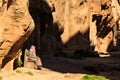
(102, 23)
(16, 25)
(66, 26)
(73, 17)
(81, 25)
(85, 23)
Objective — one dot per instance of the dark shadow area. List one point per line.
(63, 66)
(34, 38)
(108, 67)
(102, 26)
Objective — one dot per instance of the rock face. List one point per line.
(73, 17)
(102, 24)
(16, 25)
(69, 25)
(86, 24)
(68, 28)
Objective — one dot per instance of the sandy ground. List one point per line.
(44, 74)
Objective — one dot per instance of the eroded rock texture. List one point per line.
(72, 17)
(81, 25)
(86, 24)
(66, 27)
(16, 25)
(69, 25)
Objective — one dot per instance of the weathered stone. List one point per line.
(15, 27)
(86, 23)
